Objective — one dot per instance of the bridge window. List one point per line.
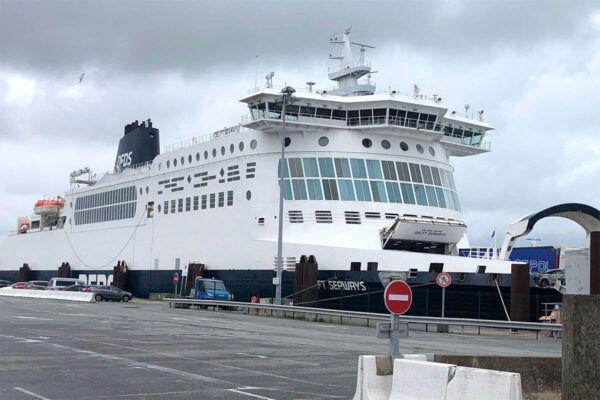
(366, 117)
(323, 113)
(339, 114)
(412, 118)
(307, 111)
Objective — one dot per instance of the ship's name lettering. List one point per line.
(123, 160)
(430, 232)
(342, 285)
(96, 279)
(536, 265)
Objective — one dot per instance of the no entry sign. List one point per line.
(175, 278)
(443, 279)
(397, 297)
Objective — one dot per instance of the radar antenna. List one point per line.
(269, 78)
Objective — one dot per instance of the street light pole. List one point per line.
(286, 93)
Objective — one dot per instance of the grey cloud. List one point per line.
(66, 37)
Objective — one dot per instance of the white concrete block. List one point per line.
(420, 380)
(369, 384)
(476, 383)
(48, 294)
(415, 357)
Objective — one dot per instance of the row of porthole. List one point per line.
(367, 143)
(253, 144)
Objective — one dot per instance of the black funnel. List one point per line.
(140, 144)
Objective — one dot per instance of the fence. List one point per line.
(476, 303)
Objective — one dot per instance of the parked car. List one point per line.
(4, 283)
(18, 285)
(111, 293)
(549, 278)
(37, 285)
(61, 283)
(78, 288)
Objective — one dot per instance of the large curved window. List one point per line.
(357, 179)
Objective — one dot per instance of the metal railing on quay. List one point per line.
(463, 322)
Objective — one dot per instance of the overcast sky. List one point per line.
(533, 66)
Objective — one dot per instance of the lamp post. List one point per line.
(286, 93)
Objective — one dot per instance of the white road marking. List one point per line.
(37, 396)
(133, 363)
(207, 362)
(251, 355)
(399, 297)
(256, 396)
(41, 319)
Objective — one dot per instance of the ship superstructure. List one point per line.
(368, 187)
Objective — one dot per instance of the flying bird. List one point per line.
(81, 77)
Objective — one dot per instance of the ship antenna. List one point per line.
(256, 68)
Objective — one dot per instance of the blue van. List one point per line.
(211, 289)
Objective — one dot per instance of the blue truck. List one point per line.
(211, 289)
(208, 289)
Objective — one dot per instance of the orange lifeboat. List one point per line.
(48, 207)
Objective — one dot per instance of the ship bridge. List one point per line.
(398, 114)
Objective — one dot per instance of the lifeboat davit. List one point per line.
(48, 207)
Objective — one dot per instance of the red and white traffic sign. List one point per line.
(175, 278)
(397, 297)
(443, 279)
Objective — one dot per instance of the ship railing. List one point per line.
(205, 138)
(410, 123)
(356, 64)
(369, 316)
(139, 165)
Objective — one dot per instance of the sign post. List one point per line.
(184, 274)
(398, 299)
(443, 280)
(175, 280)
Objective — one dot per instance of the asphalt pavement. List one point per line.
(53, 350)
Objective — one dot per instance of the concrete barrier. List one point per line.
(48, 294)
(475, 384)
(420, 380)
(540, 376)
(374, 377)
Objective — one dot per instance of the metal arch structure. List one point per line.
(586, 216)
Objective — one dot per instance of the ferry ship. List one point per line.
(368, 187)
